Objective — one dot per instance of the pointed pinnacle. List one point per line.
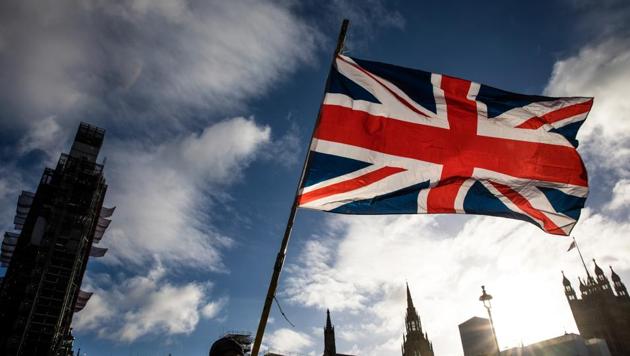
(328, 322)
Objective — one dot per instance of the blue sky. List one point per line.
(208, 108)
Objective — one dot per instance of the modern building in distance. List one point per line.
(565, 345)
(601, 313)
(47, 256)
(477, 338)
(415, 342)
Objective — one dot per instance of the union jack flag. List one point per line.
(394, 140)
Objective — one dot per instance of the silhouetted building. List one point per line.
(477, 338)
(330, 348)
(243, 338)
(231, 344)
(602, 313)
(565, 345)
(47, 257)
(415, 342)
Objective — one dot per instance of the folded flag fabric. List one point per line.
(394, 140)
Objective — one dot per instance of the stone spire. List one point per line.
(620, 288)
(330, 349)
(602, 282)
(412, 320)
(328, 322)
(568, 288)
(415, 341)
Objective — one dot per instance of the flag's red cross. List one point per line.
(459, 149)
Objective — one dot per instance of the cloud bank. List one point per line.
(130, 64)
(287, 340)
(601, 71)
(164, 194)
(170, 81)
(127, 309)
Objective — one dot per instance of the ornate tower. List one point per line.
(600, 312)
(602, 282)
(329, 337)
(568, 289)
(620, 288)
(415, 342)
(47, 259)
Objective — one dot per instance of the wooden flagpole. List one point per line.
(277, 268)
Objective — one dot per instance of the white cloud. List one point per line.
(288, 340)
(45, 135)
(162, 217)
(95, 314)
(170, 310)
(220, 150)
(601, 71)
(212, 309)
(11, 184)
(135, 64)
(160, 193)
(144, 305)
(621, 195)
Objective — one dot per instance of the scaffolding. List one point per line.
(47, 258)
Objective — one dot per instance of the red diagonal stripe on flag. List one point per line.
(557, 115)
(398, 97)
(527, 207)
(349, 185)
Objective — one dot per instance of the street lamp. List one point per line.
(486, 300)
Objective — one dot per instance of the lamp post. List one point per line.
(486, 300)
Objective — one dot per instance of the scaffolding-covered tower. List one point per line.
(47, 257)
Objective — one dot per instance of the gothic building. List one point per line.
(329, 337)
(415, 342)
(330, 348)
(600, 312)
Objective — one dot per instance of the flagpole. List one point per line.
(582, 258)
(277, 268)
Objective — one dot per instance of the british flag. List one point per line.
(394, 140)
